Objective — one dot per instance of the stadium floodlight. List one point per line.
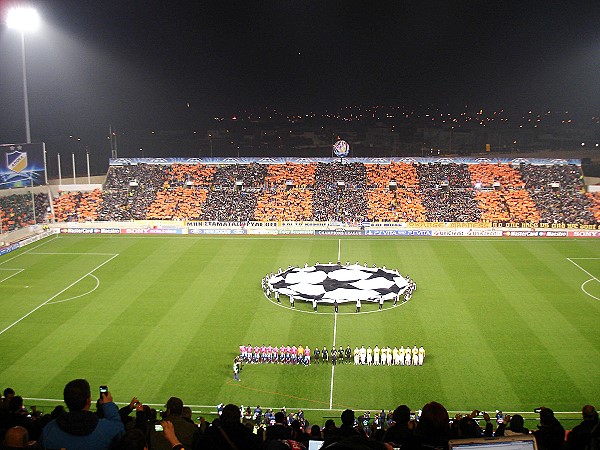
(24, 20)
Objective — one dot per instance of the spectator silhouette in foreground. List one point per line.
(512, 425)
(580, 435)
(18, 416)
(279, 430)
(133, 439)
(550, 434)
(8, 394)
(432, 431)
(228, 432)
(80, 428)
(186, 431)
(347, 436)
(16, 437)
(468, 427)
(402, 428)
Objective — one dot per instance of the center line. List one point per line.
(332, 366)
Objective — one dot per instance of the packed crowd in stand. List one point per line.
(230, 205)
(507, 206)
(558, 193)
(78, 206)
(443, 205)
(593, 201)
(129, 191)
(492, 175)
(136, 426)
(179, 203)
(16, 211)
(293, 204)
(183, 175)
(338, 192)
(437, 175)
(447, 193)
(400, 205)
(380, 176)
(301, 175)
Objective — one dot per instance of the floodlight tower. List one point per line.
(24, 20)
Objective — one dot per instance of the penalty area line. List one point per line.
(593, 278)
(29, 250)
(56, 295)
(16, 272)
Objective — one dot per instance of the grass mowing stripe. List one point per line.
(56, 295)
(444, 315)
(501, 315)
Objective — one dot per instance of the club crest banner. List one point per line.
(21, 165)
(16, 161)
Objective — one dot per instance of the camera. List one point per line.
(158, 427)
(499, 416)
(103, 391)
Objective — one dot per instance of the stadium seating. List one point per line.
(336, 192)
(16, 211)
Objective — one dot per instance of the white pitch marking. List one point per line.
(17, 272)
(212, 408)
(78, 296)
(56, 295)
(593, 278)
(69, 253)
(339, 250)
(332, 366)
(586, 292)
(27, 251)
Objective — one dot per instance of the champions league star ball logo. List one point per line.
(16, 160)
(327, 283)
(341, 148)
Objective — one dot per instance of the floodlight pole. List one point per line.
(59, 170)
(25, 96)
(23, 19)
(32, 197)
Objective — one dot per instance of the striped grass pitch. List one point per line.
(507, 324)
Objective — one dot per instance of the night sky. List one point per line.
(175, 64)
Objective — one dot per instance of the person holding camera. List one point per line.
(80, 428)
(511, 425)
(185, 431)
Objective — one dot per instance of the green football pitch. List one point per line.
(508, 324)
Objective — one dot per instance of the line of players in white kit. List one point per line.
(376, 356)
(389, 357)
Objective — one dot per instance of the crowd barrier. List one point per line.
(323, 229)
(38, 235)
(146, 228)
